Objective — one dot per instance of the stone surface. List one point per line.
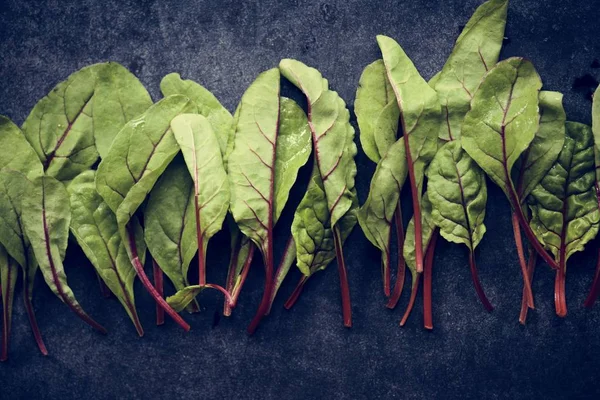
(304, 353)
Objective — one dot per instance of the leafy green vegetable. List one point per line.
(500, 126)
(17, 154)
(94, 226)
(374, 94)
(170, 226)
(263, 166)
(63, 126)
(564, 205)
(458, 195)
(476, 51)
(419, 117)
(220, 119)
(46, 221)
(202, 155)
(140, 153)
(333, 141)
(182, 299)
(242, 253)
(9, 272)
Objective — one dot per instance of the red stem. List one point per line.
(344, 286)
(139, 269)
(427, 282)
(560, 300)
(401, 274)
(413, 296)
(530, 271)
(296, 293)
(266, 299)
(477, 283)
(31, 315)
(201, 255)
(281, 272)
(234, 289)
(157, 274)
(595, 289)
(522, 262)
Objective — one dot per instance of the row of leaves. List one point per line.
(173, 173)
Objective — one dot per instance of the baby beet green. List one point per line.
(139, 154)
(333, 142)
(564, 205)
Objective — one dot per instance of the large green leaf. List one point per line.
(564, 206)
(46, 218)
(373, 95)
(503, 119)
(546, 145)
(476, 51)
(208, 105)
(458, 195)
(63, 126)
(94, 226)
(169, 223)
(119, 97)
(15, 152)
(376, 215)
(332, 134)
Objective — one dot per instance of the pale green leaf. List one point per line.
(15, 151)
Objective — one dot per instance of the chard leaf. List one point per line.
(220, 119)
(169, 223)
(332, 135)
(564, 205)
(140, 153)
(376, 215)
(546, 145)
(420, 117)
(476, 51)
(118, 98)
(503, 119)
(202, 156)
(16, 153)
(62, 126)
(312, 231)
(374, 94)
(9, 271)
(94, 226)
(458, 195)
(46, 220)
(183, 298)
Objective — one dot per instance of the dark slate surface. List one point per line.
(305, 353)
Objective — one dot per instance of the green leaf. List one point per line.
(63, 126)
(564, 206)
(182, 299)
(374, 93)
(332, 134)
(169, 223)
(46, 218)
(376, 215)
(119, 97)
(312, 229)
(503, 119)
(94, 226)
(476, 51)
(138, 156)
(15, 151)
(428, 227)
(208, 105)
(9, 272)
(458, 195)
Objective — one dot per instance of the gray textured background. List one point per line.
(304, 353)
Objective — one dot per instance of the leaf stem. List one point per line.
(522, 262)
(401, 270)
(139, 269)
(413, 296)
(531, 263)
(266, 299)
(8, 289)
(595, 289)
(296, 293)
(560, 300)
(157, 274)
(477, 283)
(234, 286)
(31, 315)
(282, 270)
(344, 286)
(427, 282)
